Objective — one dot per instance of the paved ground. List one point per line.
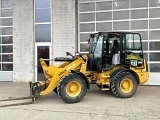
(97, 105)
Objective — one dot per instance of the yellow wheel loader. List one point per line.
(115, 62)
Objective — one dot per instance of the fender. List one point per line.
(81, 74)
(116, 72)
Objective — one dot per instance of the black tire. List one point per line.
(65, 83)
(116, 88)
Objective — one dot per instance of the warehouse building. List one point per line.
(30, 29)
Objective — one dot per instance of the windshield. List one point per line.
(98, 47)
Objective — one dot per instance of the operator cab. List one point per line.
(108, 49)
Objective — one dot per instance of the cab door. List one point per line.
(97, 55)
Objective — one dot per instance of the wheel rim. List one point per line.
(73, 88)
(126, 85)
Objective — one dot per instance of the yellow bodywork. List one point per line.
(142, 73)
(53, 74)
(103, 78)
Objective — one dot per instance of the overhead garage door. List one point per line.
(140, 16)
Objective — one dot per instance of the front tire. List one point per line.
(72, 88)
(124, 85)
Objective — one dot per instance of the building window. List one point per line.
(42, 20)
(43, 32)
(6, 36)
(140, 16)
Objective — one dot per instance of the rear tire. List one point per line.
(72, 88)
(124, 85)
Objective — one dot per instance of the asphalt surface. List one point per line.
(96, 105)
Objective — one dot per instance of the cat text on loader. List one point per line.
(115, 62)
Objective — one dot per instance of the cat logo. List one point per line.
(134, 62)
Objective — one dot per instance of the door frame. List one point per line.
(50, 51)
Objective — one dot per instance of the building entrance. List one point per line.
(42, 51)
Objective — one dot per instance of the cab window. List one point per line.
(133, 41)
